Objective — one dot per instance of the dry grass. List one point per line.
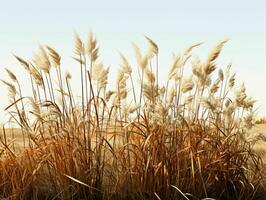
(259, 132)
(185, 139)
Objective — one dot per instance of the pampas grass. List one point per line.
(185, 139)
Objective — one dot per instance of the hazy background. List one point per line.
(174, 25)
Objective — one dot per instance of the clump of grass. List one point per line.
(184, 139)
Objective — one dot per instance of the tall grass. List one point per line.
(181, 140)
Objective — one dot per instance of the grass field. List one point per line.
(260, 146)
(185, 139)
(15, 135)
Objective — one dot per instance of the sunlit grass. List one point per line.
(184, 139)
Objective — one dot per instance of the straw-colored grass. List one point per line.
(186, 139)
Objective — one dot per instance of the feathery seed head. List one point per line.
(216, 51)
(230, 108)
(209, 65)
(190, 48)
(11, 89)
(103, 77)
(121, 85)
(125, 65)
(227, 70)
(196, 67)
(149, 75)
(37, 77)
(231, 81)
(95, 54)
(56, 58)
(11, 75)
(249, 103)
(24, 63)
(161, 110)
(91, 47)
(130, 108)
(174, 67)
(41, 60)
(221, 74)
(153, 48)
(211, 103)
(79, 49)
(150, 91)
(240, 96)
(109, 95)
(215, 86)
(91, 43)
(208, 68)
(68, 75)
(142, 61)
(187, 85)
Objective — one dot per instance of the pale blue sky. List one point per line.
(172, 24)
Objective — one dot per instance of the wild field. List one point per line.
(188, 138)
(258, 132)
